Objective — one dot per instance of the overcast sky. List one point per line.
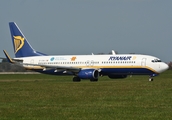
(86, 26)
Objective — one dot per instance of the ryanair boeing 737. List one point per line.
(115, 66)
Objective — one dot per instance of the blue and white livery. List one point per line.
(91, 67)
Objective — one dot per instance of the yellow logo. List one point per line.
(73, 58)
(18, 43)
(134, 58)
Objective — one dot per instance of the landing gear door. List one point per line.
(143, 62)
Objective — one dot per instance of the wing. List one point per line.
(43, 67)
(56, 67)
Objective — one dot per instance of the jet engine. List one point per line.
(88, 74)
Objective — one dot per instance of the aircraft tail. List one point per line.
(22, 48)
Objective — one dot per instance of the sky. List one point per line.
(90, 26)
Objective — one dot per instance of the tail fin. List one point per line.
(22, 48)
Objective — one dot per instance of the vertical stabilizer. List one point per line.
(21, 46)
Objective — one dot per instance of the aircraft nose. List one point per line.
(164, 67)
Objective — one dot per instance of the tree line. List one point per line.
(170, 65)
(5, 66)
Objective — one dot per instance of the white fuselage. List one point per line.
(127, 63)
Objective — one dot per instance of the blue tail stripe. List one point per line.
(22, 48)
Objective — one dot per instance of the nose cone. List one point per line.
(164, 67)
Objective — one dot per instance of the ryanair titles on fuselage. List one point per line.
(120, 57)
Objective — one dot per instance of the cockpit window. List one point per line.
(156, 60)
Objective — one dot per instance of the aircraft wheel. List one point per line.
(76, 79)
(93, 80)
(150, 79)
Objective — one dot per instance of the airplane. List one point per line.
(115, 66)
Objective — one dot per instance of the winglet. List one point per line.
(113, 52)
(8, 57)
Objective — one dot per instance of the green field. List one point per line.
(58, 98)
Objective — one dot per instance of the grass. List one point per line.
(48, 97)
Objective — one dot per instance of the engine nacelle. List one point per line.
(88, 74)
(117, 76)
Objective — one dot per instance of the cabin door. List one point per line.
(143, 62)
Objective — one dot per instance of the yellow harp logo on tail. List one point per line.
(18, 43)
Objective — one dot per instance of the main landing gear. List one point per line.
(93, 80)
(77, 79)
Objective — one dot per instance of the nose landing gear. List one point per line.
(150, 79)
